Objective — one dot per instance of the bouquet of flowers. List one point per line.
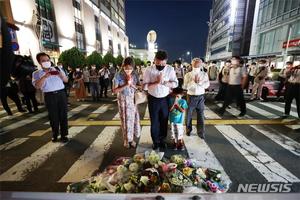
(148, 173)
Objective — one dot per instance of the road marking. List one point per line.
(278, 108)
(39, 133)
(91, 159)
(20, 170)
(268, 167)
(293, 124)
(200, 151)
(24, 122)
(117, 116)
(261, 111)
(146, 115)
(209, 114)
(292, 105)
(194, 122)
(13, 143)
(8, 117)
(282, 140)
(102, 109)
(74, 111)
(145, 142)
(4, 111)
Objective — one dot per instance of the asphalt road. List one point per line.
(257, 148)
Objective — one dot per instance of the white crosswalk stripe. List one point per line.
(209, 114)
(12, 144)
(262, 112)
(146, 115)
(267, 166)
(292, 105)
(74, 111)
(24, 122)
(199, 150)
(12, 109)
(278, 108)
(92, 157)
(20, 170)
(236, 112)
(282, 140)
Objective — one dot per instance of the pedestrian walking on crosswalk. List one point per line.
(126, 83)
(50, 81)
(237, 81)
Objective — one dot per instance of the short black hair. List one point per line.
(228, 61)
(128, 61)
(39, 55)
(214, 62)
(178, 90)
(254, 63)
(289, 63)
(178, 62)
(161, 55)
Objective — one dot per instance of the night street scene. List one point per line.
(149, 99)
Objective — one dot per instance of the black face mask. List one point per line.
(160, 67)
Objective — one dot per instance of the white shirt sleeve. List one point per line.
(146, 78)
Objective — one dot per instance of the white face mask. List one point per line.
(46, 64)
(261, 65)
(196, 70)
(77, 70)
(93, 67)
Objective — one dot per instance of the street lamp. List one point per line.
(190, 53)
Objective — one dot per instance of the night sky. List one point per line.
(181, 25)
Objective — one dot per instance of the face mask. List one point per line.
(160, 67)
(93, 67)
(128, 71)
(261, 65)
(77, 70)
(196, 70)
(46, 64)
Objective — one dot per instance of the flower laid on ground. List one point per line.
(150, 173)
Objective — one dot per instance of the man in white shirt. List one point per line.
(260, 75)
(252, 70)
(236, 82)
(195, 82)
(86, 79)
(159, 79)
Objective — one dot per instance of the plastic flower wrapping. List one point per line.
(151, 173)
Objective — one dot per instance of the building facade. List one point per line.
(57, 25)
(230, 28)
(276, 30)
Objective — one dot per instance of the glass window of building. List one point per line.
(44, 9)
(110, 46)
(109, 28)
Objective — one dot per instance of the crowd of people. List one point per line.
(173, 92)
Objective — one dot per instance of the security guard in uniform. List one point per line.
(51, 82)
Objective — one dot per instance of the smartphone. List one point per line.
(54, 72)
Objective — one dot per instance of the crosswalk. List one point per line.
(256, 156)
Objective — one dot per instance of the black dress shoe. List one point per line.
(54, 139)
(65, 139)
(188, 133)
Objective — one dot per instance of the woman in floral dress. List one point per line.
(126, 82)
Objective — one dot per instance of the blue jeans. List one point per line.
(196, 102)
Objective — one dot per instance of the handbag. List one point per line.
(140, 97)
